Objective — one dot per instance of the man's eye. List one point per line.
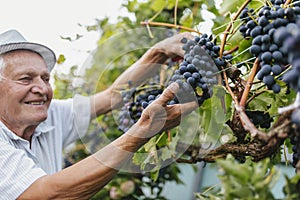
(25, 80)
(46, 79)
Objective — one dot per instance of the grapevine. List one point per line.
(206, 64)
(253, 56)
(275, 68)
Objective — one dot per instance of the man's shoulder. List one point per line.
(6, 135)
(75, 103)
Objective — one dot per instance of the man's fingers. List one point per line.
(168, 94)
(187, 108)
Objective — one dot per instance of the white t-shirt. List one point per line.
(21, 165)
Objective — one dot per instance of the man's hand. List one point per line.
(159, 116)
(171, 46)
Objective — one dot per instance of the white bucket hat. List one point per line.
(13, 40)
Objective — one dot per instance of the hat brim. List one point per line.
(47, 54)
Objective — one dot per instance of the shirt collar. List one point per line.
(43, 127)
(8, 132)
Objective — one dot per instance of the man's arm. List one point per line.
(147, 66)
(85, 178)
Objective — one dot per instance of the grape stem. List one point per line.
(231, 50)
(230, 25)
(223, 42)
(147, 23)
(249, 83)
(228, 87)
(287, 3)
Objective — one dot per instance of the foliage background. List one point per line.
(245, 180)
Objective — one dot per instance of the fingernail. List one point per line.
(174, 87)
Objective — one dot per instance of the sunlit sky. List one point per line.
(45, 21)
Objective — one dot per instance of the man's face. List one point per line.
(25, 92)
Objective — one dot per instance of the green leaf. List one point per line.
(154, 175)
(157, 5)
(170, 150)
(261, 102)
(61, 59)
(242, 172)
(243, 52)
(230, 6)
(269, 101)
(215, 112)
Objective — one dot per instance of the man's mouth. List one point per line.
(36, 103)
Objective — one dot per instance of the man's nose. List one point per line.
(40, 86)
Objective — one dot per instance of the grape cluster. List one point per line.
(296, 150)
(260, 26)
(195, 74)
(199, 69)
(295, 118)
(289, 37)
(135, 100)
(260, 119)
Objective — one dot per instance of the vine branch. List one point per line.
(249, 84)
(257, 149)
(287, 3)
(230, 25)
(147, 23)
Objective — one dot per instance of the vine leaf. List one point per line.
(245, 180)
(158, 5)
(215, 114)
(170, 150)
(272, 101)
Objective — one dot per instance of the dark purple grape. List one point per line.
(255, 50)
(182, 69)
(276, 70)
(265, 47)
(196, 75)
(267, 28)
(280, 35)
(266, 69)
(277, 55)
(276, 88)
(209, 74)
(191, 81)
(256, 31)
(266, 57)
(266, 38)
(263, 21)
(268, 80)
(273, 47)
(191, 68)
(186, 75)
(219, 62)
(257, 40)
(260, 75)
(251, 24)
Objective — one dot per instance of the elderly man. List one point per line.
(34, 129)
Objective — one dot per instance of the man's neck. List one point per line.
(22, 131)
